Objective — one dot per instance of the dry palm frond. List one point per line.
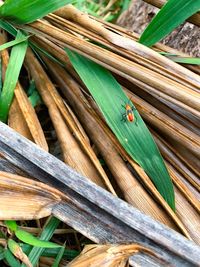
(172, 86)
(108, 255)
(25, 199)
(160, 87)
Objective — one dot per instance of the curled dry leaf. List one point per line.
(22, 198)
(107, 255)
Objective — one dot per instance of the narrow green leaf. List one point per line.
(36, 48)
(11, 260)
(59, 257)
(34, 241)
(35, 98)
(26, 11)
(69, 254)
(1, 253)
(14, 42)
(12, 225)
(33, 94)
(13, 246)
(12, 73)
(46, 234)
(8, 27)
(171, 15)
(134, 136)
(185, 60)
(0, 76)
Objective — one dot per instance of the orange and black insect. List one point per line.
(129, 114)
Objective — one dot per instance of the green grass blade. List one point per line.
(1, 253)
(26, 11)
(12, 73)
(185, 60)
(34, 241)
(12, 225)
(46, 235)
(134, 137)
(69, 254)
(11, 260)
(0, 76)
(59, 257)
(171, 15)
(14, 42)
(8, 27)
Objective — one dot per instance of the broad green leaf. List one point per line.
(14, 42)
(59, 257)
(34, 241)
(171, 15)
(46, 234)
(12, 73)
(12, 225)
(134, 136)
(26, 11)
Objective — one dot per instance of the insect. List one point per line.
(129, 114)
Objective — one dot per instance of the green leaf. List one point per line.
(171, 15)
(1, 253)
(12, 261)
(46, 234)
(26, 11)
(14, 42)
(134, 136)
(11, 77)
(185, 60)
(34, 241)
(0, 76)
(8, 27)
(59, 257)
(12, 225)
(69, 254)
(35, 98)
(13, 246)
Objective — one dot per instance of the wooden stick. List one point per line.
(92, 210)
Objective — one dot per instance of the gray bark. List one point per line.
(185, 38)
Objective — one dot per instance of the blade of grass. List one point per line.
(185, 60)
(18, 252)
(46, 234)
(0, 76)
(14, 42)
(11, 260)
(59, 257)
(134, 136)
(34, 241)
(171, 15)
(26, 11)
(8, 27)
(12, 73)
(1, 253)
(69, 254)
